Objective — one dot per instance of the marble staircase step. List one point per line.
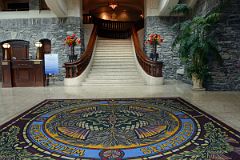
(113, 70)
(113, 64)
(116, 60)
(127, 73)
(115, 77)
(108, 58)
(113, 67)
(112, 81)
(112, 84)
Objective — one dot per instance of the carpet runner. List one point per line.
(117, 129)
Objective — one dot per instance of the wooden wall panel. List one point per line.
(19, 49)
(6, 74)
(18, 71)
(23, 77)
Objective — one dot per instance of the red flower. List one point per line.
(72, 40)
(154, 39)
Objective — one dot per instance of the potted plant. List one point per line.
(196, 44)
(72, 41)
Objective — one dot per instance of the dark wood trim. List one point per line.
(19, 49)
(87, 19)
(6, 74)
(23, 73)
(74, 69)
(152, 68)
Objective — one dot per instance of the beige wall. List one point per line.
(141, 37)
(74, 8)
(151, 7)
(159, 7)
(26, 14)
(68, 8)
(87, 33)
(65, 8)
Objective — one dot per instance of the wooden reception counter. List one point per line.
(23, 73)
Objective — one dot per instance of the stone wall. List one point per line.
(162, 26)
(54, 29)
(226, 77)
(205, 6)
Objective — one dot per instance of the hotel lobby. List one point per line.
(102, 80)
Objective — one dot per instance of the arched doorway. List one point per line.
(46, 47)
(19, 50)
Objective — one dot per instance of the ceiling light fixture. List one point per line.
(113, 4)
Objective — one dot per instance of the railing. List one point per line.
(113, 29)
(87, 19)
(116, 30)
(76, 68)
(139, 24)
(112, 25)
(152, 68)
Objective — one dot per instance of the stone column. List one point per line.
(158, 21)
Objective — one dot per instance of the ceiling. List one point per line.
(127, 10)
(89, 5)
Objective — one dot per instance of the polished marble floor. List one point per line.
(225, 106)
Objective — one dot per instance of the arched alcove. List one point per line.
(46, 47)
(19, 49)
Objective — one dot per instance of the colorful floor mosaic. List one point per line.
(116, 129)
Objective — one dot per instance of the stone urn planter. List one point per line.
(72, 58)
(197, 83)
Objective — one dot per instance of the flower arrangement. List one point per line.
(72, 40)
(154, 39)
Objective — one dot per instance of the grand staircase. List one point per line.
(113, 64)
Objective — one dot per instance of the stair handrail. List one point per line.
(113, 25)
(74, 69)
(152, 68)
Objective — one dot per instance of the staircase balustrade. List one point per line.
(113, 29)
(152, 68)
(74, 69)
(87, 19)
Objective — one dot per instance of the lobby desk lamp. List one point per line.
(6, 46)
(38, 45)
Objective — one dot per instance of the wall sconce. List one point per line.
(38, 45)
(6, 46)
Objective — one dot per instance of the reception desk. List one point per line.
(23, 73)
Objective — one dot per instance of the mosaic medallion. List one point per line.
(117, 129)
(112, 130)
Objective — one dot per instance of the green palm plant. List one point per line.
(195, 43)
(181, 9)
